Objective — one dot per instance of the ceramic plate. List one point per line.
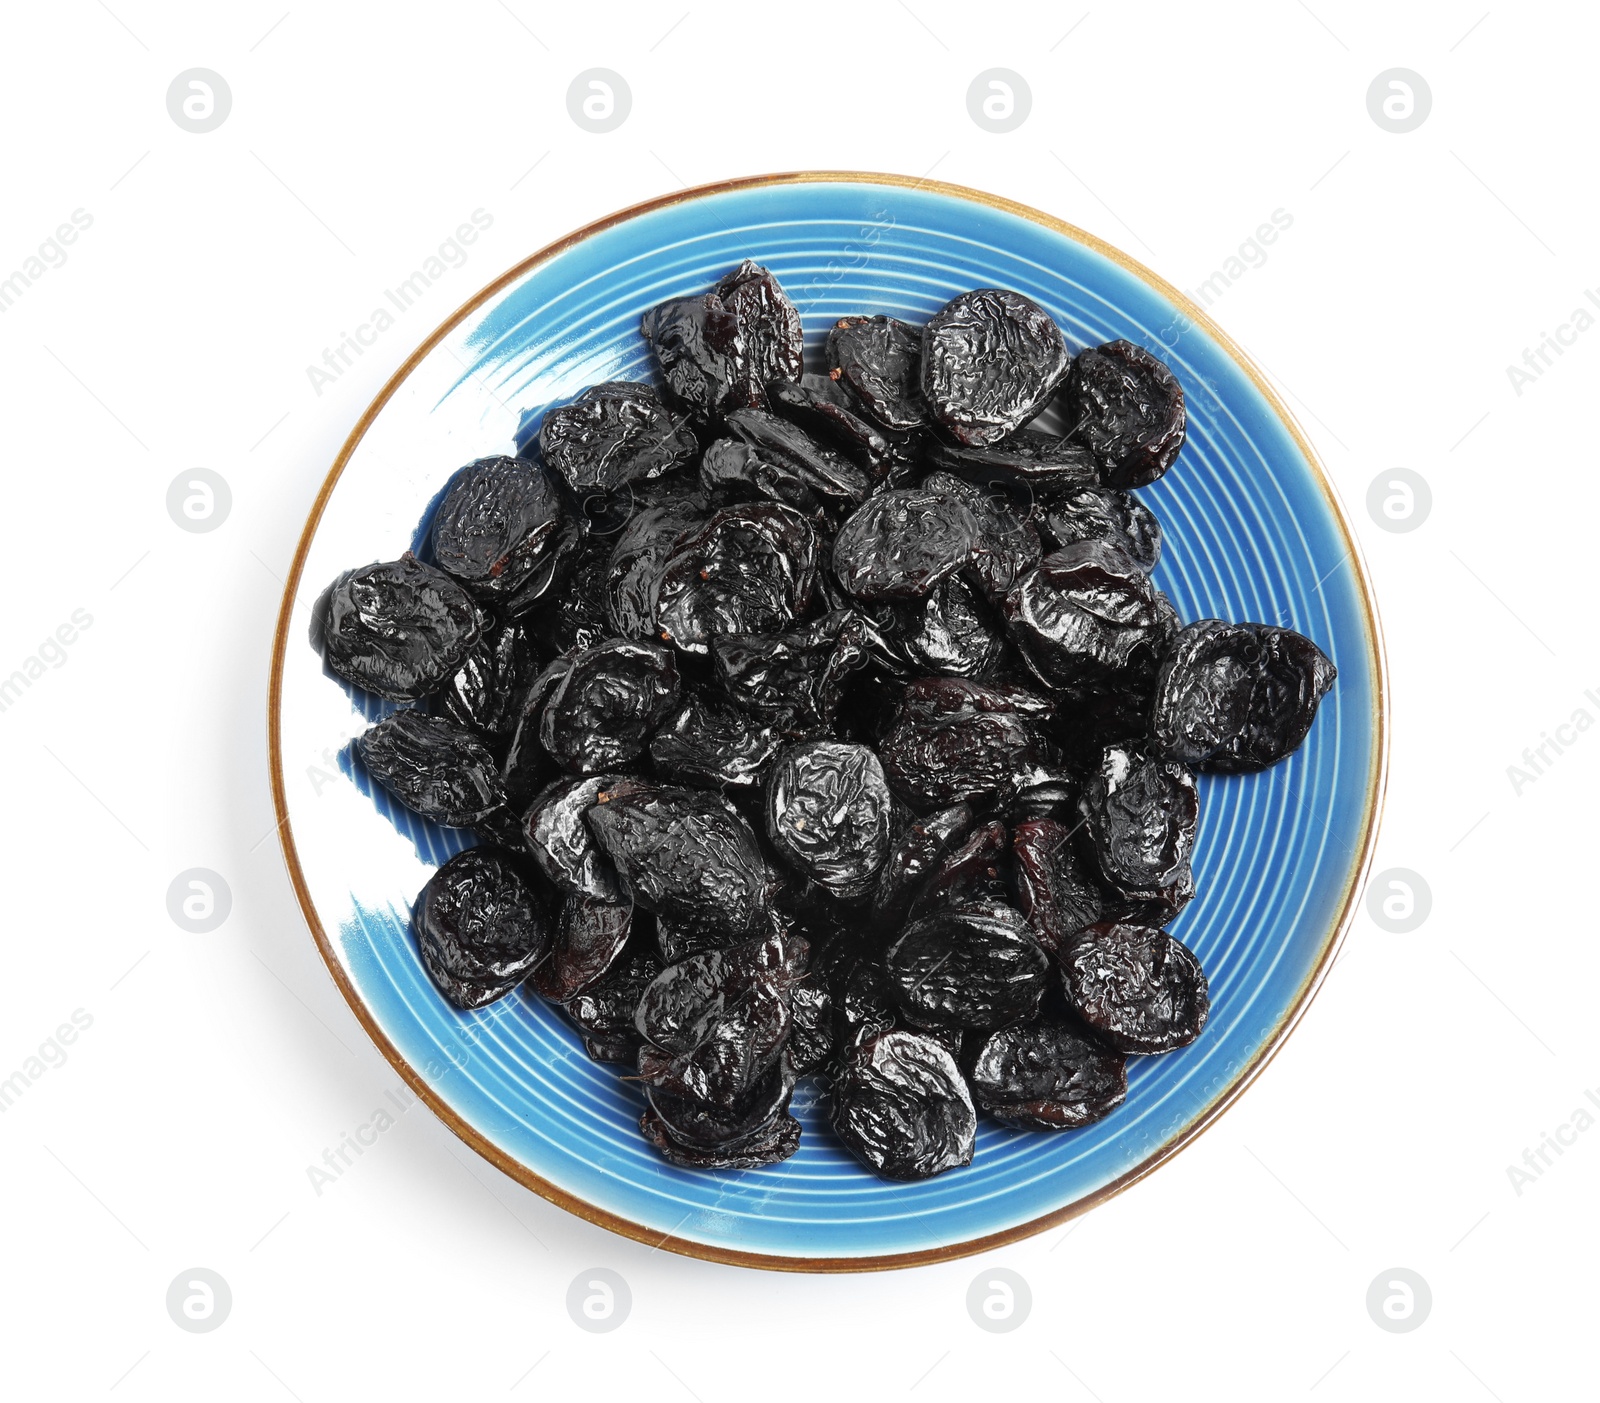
(1252, 533)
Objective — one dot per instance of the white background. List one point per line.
(218, 1067)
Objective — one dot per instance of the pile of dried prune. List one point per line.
(824, 725)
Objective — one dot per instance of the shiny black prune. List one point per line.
(601, 713)
(676, 943)
(974, 966)
(1136, 988)
(1238, 697)
(794, 680)
(697, 1125)
(1127, 407)
(612, 435)
(1140, 813)
(496, 525)
(811, 1036)
(901, 1106)
(433, 767)
(1103, 514)
(1028, 459)
(478, 923)
(1087, 614)
(715, 743)
(829, 814)
(771, 1144)
(957, 741)
(603, 1012)
(817, 406)
(719, 351)
(915, 856)
(688, 855)
(1007, 545)
(397, 630)
(991, 359)
(974, 873)
(575, 616)
(527, 767)
(485, 692)
(751, 568)
(953, 631)
(900, 543)
(792, 455)
(591, 934)
(880, 360)
(561, 842)
(1047, 1076)
(1057, 890)
(552, 573)
(637, 559)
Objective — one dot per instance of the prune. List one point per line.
(953, 631)
(434, 768)
(527, 767)
(771, 1144)
(1128, 408)
(829, 814)
(900, 543)
(1137, 988)
(1008, 543)
(901, 1107)
(949, 747)
(1104, 514)
(1140, 813)
(552, 572)
(794, 456)
(601, 713)
(828, 417)
(398, 629)
(916, 855)
(685, 854)
(969, 967)
(991, 358)
(1056, 889)
(676, 943)
(478, 922)
(712, 742)
(794, 680)
(576, 617)
(1047, 1077)
(604, 1011)
(485, 692)
(1088, 613)
(973, 874)
(1027, 459)
(811, 1036)
(637, 559)
(1238, 697)
(591, 934)
(880, 359)
(719, 351)
(561, 842)
(750, 569)
(695, 1125)
(611, 435)
(496, 525)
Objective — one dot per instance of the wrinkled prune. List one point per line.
(433, 767)
(750, 569)
(830, 418)
(601, 713)
(719, 351)
(829, 814)
(974, 873)
(1140, 813)
(604, 1011)
(915, 856)
(880, 360)
(1087, 614)
(496, 525)
(1139, 989)
(969, 967)
(901, 1106)
(479, 923)
(591, 934)
(685, 854)
(484, 693)
(1128, 408)
(696, 1125)
(951, 746)
(771, 1144)
(990, 360)
(1008, 543)
(1047, 1077)
(397, 630)
(811, 1036)
(1103, 514)
(712, 742)
(561, 842)
(900, 543)
(611, 435)
(794, 680)
(1238, 697)
(953, 631)
(1028, 459)
(794, 462)
(576, 615)
(1056, 889)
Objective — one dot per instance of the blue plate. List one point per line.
(1252, 533)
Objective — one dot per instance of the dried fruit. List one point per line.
(1127, 407)
(990, 360)
(829, 814)
(611, 435)
(1136, 988)
(434, 768)
(1046, 1076)
(967, 967)
(479, 927)
(902, 1107)
(397, 630)
(496, 525)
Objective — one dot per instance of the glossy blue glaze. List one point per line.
(1250, 535)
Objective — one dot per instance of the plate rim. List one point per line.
(1377, 777)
